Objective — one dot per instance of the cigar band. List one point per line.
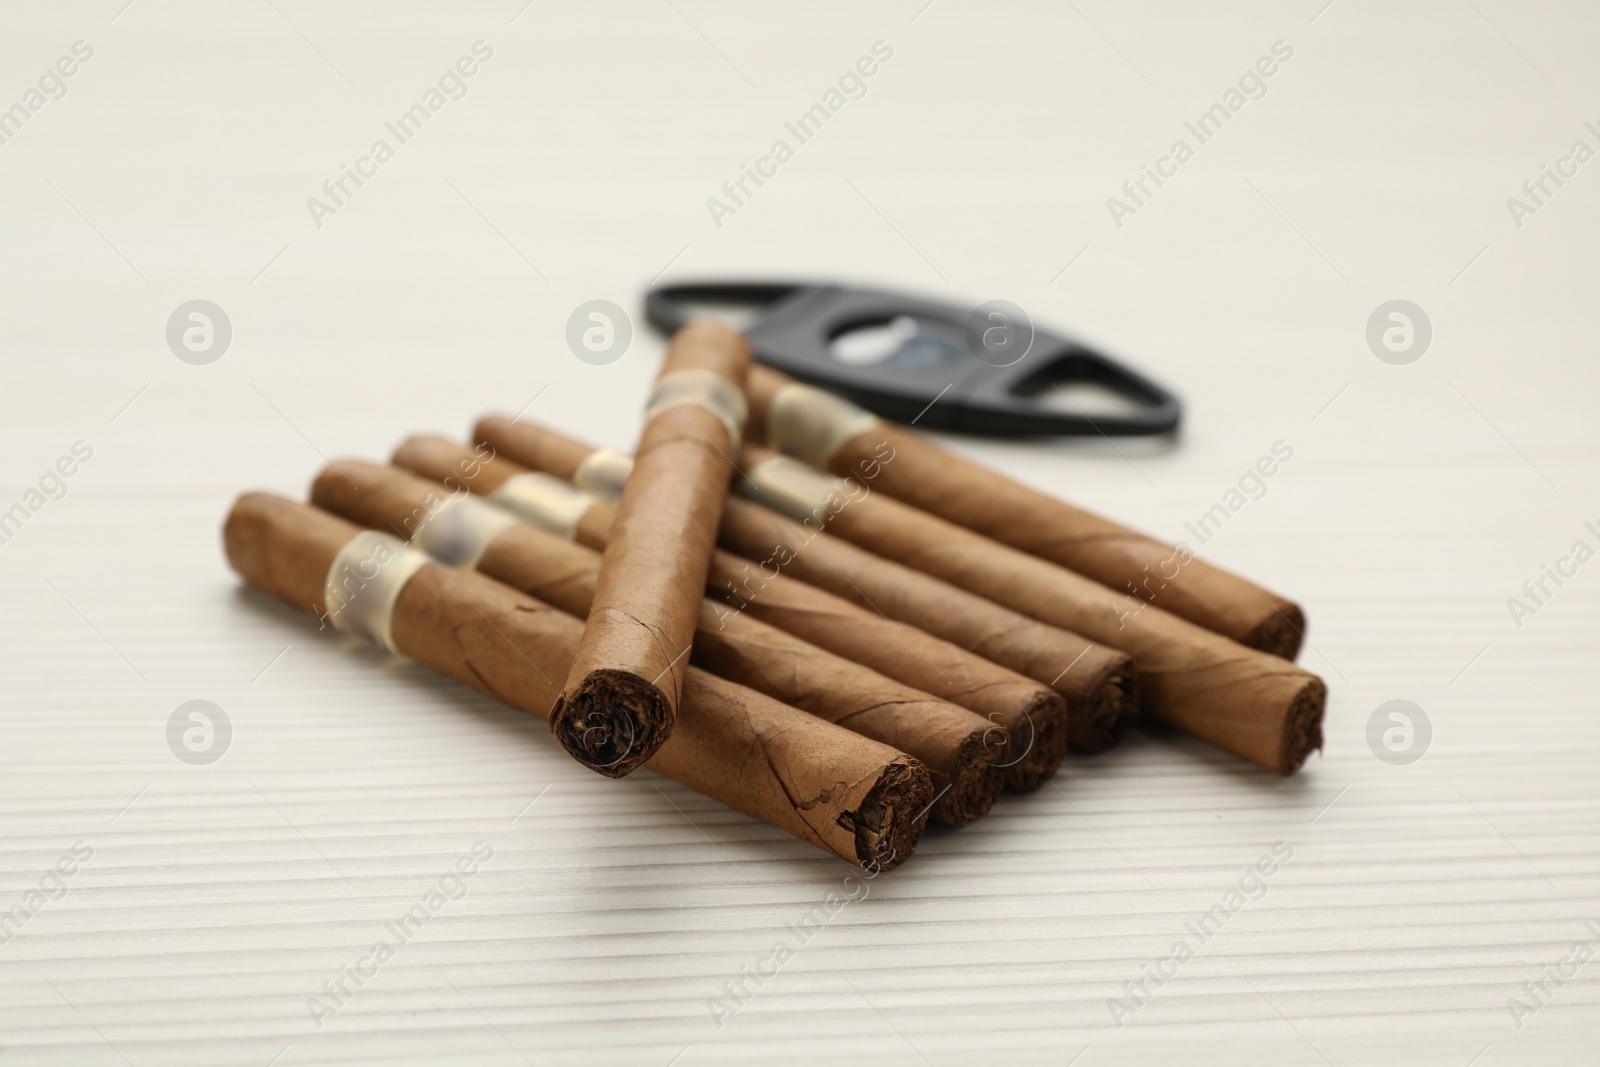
(543, 500)
(812, 425)
(704, 389)
(460, 531)
(603, 473)
(790, 488)
(364, 582)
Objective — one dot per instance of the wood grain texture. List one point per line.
(219, 898)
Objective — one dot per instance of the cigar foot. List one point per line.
(892, 816)
(975, 780)
(1042, 752)
(1107, 713)
(1302, 726)
(1279, 634)
(613, 723)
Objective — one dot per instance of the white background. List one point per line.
(220, 898)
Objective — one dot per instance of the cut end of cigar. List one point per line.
(613, 722)
(1302, 726)
(892, 816)
(1280, 634)
(1041, 753)
(975, 783)
(1108, 712)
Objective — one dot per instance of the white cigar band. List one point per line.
(365, 581)
(704, 389)
(603, 474)
(790, 488)
(460, 531)
(812, 425)
(545, 501)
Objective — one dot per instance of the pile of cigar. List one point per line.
(822, 620)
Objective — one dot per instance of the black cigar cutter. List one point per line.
(974, 370)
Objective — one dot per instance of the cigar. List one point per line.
(1031, 715)
(834, 435)
(846, 794)
(961, 750)
(621, 698)
(1253, 704)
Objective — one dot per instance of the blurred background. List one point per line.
(156, 153)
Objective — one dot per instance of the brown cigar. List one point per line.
(1254, 705)
(621, 698)
(835, 435)
(962, 751)
(846, 794)
(1032, 715)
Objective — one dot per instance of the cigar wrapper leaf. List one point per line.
(620, 700)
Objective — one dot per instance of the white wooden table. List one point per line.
(211, 908)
